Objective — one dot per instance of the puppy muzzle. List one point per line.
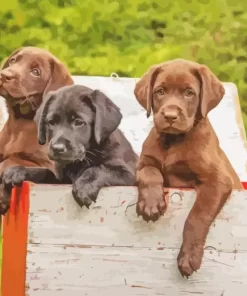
(10, 84)
(171, 119)
(7, 75)
(60, 151)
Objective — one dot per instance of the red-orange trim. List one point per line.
(14, 249)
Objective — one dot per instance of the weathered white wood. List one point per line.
(55, 218)
(130, 271)
(3, 112)
(108, 250)
(226, 117)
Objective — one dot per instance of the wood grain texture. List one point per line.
(15, 229)
(108, 250)
(130, 271)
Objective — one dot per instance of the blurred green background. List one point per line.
(98, 37)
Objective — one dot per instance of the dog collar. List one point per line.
(24, 105)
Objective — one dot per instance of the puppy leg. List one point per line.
(15, 175)
(87, 186)
(211, 196)
(151, 201)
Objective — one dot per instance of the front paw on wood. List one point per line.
(83, 195)
(151, 207)
(13, 176)
(189, 259)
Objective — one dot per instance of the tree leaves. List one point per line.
(100, 37)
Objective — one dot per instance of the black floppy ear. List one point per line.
(5, 64)
(107, 116)
(40, 117)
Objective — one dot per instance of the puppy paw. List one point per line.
(14, 176)
(151, 205)
(189, 260)
(83, 195)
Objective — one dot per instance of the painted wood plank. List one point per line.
(15, 231)
(108, 250)
(55, 218)
(94, 271)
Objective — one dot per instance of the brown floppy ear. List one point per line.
(5, 63)
(144, 88)
(60, 77)
(107, 116)
(212, 90)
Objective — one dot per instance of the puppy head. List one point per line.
(74, 119)
(29, 73)
(177, 92)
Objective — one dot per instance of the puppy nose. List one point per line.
(171, 116)
(58, 148)
(6, 75)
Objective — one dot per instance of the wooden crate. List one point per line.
(52, 247)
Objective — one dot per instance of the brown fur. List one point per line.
(182, 150)
(24, 90)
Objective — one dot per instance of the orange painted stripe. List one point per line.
(14, 251)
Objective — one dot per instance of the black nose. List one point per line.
(171, 116)
(58, 148)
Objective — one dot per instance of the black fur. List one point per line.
(90, 152)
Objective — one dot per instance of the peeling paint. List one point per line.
(44, 210)
(60, 210)
(139, 286)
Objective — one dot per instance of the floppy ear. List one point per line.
(60, 76)
(5, 63)
(144, 88)
(107, 116)
(212, 90)
(40, 117)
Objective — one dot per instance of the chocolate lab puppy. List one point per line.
(182, 150)
(81, 127)
(26, 76)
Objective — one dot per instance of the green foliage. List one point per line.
(99, 37)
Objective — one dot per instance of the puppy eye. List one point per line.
(160, 92)
(189, 93)
(36, 72)
(51, 122)
(79, 122)
(12, 61)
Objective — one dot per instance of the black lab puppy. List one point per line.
(81, 126)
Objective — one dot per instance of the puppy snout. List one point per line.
(58, 148)
(170, 116)
(6, 75)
